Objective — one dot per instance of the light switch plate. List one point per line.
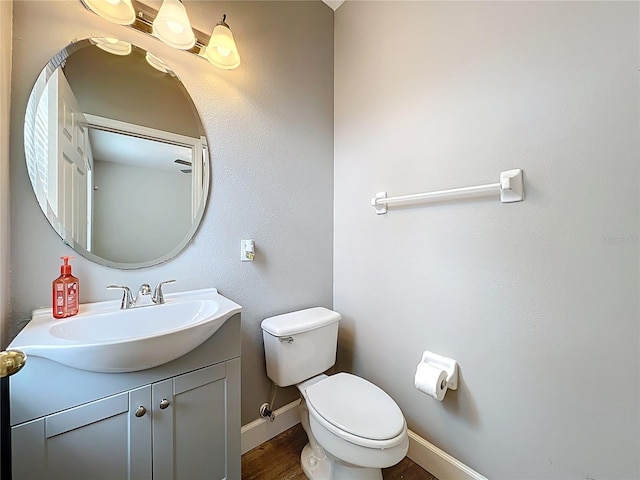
(247, 250)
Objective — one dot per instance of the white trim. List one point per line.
(437, 462)
(428, 456)
(111, 124)
(261, 430)
(6, 15)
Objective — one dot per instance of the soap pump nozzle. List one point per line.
(65, 268)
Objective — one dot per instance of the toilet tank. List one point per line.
(300, 345)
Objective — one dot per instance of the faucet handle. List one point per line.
(158, 296)
(127, 298)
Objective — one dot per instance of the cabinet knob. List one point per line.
(140, 411)
(164, 403)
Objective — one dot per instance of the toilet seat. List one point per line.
(356, 410)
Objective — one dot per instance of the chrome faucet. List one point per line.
(158, 296)
(127, 299)
(143, 298)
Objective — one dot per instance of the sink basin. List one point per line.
(103, 338)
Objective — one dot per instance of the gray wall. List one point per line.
(104, 83)
(538, 301)
(140, 213)
(269, 126)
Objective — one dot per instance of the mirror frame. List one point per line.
(57, 61)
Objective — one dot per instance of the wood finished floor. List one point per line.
(279, 459)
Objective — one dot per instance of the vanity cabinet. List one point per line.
(182, 426)
(100, 440)
(190, 425)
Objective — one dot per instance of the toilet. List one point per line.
(354, 428)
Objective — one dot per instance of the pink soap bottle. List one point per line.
(66, 292)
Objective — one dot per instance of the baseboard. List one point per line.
(437, 462)
(428, 456)
(261, 430)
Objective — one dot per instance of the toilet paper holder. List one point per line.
(449, 365)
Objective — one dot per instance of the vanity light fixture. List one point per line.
(171, 25)
(158, 64)
(120, 47)
(112, 45)
(222, 50)
(116, 11)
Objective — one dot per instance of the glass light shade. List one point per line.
(156, 63)
(172, 25)
(222, 50)
(112, 45)
(116, 11)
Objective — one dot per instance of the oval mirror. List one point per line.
(116, 154)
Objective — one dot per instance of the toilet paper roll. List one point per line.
(431, 380)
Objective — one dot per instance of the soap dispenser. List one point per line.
(66, 292)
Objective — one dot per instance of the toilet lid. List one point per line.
(356, 406)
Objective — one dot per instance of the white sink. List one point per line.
(103, 338)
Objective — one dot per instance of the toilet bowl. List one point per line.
(357, 427)
(354, 428)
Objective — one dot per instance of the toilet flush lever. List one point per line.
(286, 339)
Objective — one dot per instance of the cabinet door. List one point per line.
(100, 440)
(197, 433)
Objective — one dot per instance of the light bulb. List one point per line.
(175, 27)
(223, 51)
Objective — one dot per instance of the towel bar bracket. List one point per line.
(511, 186)
(381, 208)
